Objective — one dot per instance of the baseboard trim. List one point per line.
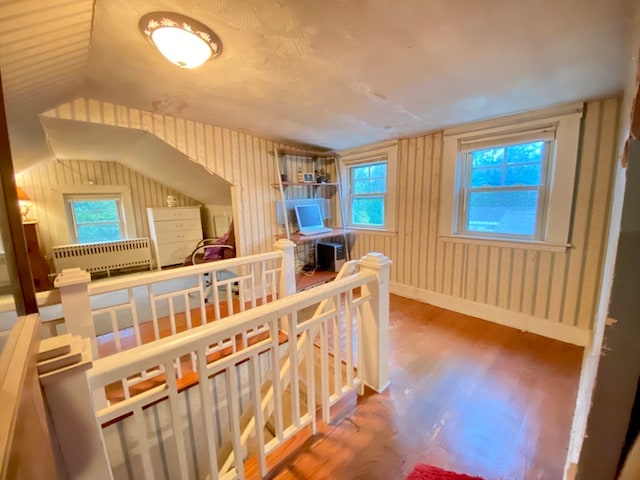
(381, 389)
(521, 321)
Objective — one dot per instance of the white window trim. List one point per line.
(72, 221)
(62, 231)
(547, 135)
(369, 154)
(566, 119)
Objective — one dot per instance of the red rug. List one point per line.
(428, 472)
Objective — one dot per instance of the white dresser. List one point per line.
(175, 232)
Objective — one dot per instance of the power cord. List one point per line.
(309, 269)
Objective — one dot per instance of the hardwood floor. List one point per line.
(466, 395)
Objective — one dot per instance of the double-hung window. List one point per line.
(95, 218)
(369, 179)
(367, 194)
(511, 179)
(503, 186)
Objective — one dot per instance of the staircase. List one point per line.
(301, 396)
(237, 409)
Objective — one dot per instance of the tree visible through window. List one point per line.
(368, 188)
(369, 185)
(96, 219)
(503, 190)
(511, 180)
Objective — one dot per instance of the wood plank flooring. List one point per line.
(466, 395)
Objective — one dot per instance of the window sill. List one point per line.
(511, 243)
(375, 231)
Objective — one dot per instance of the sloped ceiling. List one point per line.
(139, 151)
(330, 74)
(44, 51)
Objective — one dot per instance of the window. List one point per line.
(367, 191)
(117, 198)
(95, 218)
(511, 180)
(369, 175)
(503, 189)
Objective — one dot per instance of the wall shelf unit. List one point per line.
(293, 167)
(315, 186)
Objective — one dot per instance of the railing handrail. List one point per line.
(348, 342)
(18, 375)
(143, 279)
(44, 299)
(117, 366)
(52, 297)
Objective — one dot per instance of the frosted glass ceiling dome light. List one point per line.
(182, 40)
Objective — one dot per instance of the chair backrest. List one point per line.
(213, 249)
(231, 241)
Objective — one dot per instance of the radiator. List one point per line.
(103, 256)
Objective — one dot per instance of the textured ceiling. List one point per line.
(331, 74)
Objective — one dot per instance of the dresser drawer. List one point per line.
(181, 225)
(191, 236)
(176, 213)
(174, 253)
(175, 232)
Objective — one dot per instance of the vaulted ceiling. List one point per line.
(331, 74)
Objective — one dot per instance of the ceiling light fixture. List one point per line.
(182, 40)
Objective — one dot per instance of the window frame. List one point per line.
(352, 195)
(465, 174)
(73, 222)
(564, 123)
(386, 152)
(62, 233)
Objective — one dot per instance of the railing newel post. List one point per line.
(71, 406)
(375, 328)
(73, 284)
(287, 283)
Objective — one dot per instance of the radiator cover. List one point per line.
(103, 256)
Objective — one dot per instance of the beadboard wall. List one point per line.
(39, 182)
(245, 161)
(553, 294)
(550, 293)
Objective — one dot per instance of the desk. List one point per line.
(297, 238)
(319, 277)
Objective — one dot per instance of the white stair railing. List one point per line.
(169, 297)
(172, 431)
(267, 404)
(119, 306)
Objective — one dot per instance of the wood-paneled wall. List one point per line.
(39, 181)
(556, 290)
(558, 287)
(241, 159)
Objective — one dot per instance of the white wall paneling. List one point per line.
(44, 181)
(241, 159)
(552, 286)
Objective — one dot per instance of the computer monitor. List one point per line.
(309, 217)
(288, 207)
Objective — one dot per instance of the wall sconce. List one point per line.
(25, 205)
(182, 40)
